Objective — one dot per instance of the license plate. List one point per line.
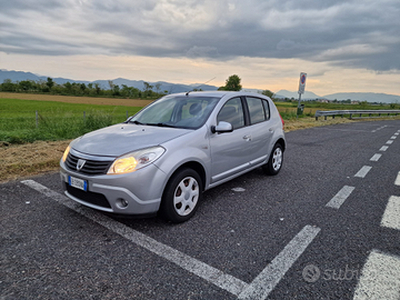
(77, 183)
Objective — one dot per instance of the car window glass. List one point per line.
(266, 109)
(180, 112)
(232, 112)
(256, 110)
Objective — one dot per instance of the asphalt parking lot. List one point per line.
(326, 227)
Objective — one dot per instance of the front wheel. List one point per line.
(181, 196)
(275, 161)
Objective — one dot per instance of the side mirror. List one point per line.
(222, 127)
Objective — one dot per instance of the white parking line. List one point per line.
(259, 289)
(363, 172)
(340, 197)
(384, 148)
(389, 142)
(391, 217)
(212, 275)
(380, 278)
(376, 157)
(274, 272)
(397, 181)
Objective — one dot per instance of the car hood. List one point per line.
(120, 139)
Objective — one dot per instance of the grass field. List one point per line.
(56, 120)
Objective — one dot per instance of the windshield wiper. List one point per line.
(164, 125)
(137, 122)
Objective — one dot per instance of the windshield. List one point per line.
(177, 111)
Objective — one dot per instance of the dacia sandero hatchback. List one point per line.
(163, 158)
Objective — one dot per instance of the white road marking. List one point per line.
(259, 289)
(363, 172)
(396, 133)
(376, 157)
(266, 281)
(212, 275)
(380, 278)
(391, 217)
(393, 137)
(397, 181)
(389, 142)
(340, 197)
(384, 148)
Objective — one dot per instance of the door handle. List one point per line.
(247, 138)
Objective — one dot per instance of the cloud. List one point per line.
(357, 33)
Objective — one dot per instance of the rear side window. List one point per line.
(258, 109)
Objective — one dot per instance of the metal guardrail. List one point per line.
(352, 113)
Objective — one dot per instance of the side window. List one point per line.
(266, 109)
(232, 112)
(257, 110)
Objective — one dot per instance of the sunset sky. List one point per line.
(343, 46)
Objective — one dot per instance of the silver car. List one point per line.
(164, 158)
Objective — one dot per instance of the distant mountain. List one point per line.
(288, 94)
(161, 86)
(369, 97)
(16, 76)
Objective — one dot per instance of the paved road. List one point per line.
(327, 227)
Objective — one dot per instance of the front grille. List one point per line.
(91, 167)
(90, 197)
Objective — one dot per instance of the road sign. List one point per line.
(302, 83)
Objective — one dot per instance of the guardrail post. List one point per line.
(127, 114)
(84, 116)
(351, 115)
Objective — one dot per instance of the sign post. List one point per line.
(302, 85)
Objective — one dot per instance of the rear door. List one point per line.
(261, 130)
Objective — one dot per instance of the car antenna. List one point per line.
(187, 94)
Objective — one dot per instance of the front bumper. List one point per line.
(136, 193)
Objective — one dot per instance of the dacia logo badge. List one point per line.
(80, 164)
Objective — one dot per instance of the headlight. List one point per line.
(135, 160)
(65, 155)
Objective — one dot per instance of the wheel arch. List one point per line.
(282, 142)
(194, 166)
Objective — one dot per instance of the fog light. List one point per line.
(122, 203)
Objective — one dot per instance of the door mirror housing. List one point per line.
(222, 127)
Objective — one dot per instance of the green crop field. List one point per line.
(19, 122)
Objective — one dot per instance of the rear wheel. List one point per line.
(275, 161)
(181, 196)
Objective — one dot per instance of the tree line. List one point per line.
(95, 90)
(81, 89)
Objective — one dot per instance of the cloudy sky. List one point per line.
(343, 46)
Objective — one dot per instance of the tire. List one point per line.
(181, 196)
(275, 161)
